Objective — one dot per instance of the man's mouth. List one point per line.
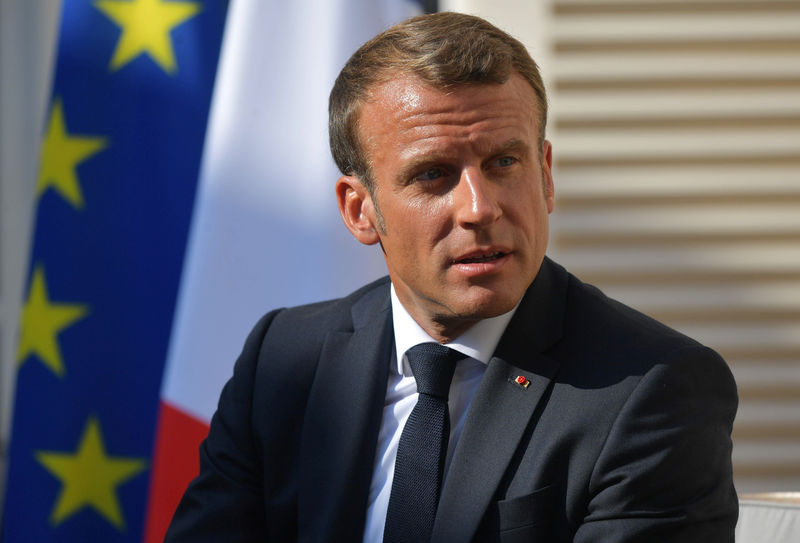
(477, 259)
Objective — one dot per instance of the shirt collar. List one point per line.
(479, 341)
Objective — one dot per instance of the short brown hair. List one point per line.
(443, 50)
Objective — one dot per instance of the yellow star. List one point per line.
(146, 25)
(89, 477)
(42, 321)
(61, 154)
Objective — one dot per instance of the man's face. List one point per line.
(464, 193)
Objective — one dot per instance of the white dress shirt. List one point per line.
(478, 343)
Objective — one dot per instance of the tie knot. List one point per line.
(433, 366)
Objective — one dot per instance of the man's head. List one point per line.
(443, 50)
(458, 165)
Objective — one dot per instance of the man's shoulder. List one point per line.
(607, 348)
(562, 308)
(290, 339)
(591, 312)
(599, 331)
(334, 314)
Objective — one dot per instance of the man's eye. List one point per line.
(505, 161)
(430, 175)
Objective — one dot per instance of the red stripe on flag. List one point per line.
(175, 463)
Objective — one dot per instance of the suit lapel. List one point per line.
(341, 425)
(501, 410)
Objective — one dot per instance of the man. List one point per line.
(571, 417)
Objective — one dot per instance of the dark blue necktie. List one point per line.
(422, 448)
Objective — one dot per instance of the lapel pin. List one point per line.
(521, 381)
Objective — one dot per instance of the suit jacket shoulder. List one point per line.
(630, 431)
(256, 456)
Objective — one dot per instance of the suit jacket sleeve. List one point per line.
(664, 473)
(225, 502)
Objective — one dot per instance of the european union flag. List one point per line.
(120, 160)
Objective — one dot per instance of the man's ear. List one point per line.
(357, 209)
(547, 172)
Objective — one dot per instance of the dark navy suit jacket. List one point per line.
(623, 434)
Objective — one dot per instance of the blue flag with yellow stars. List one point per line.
(120, 158)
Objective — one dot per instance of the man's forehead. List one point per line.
(409, 90)
(404, 90)
(409, 100)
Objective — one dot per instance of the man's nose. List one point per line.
(474, 200)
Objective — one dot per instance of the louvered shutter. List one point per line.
(676, 129)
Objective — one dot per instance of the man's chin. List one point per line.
(484, 307)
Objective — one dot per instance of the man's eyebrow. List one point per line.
(439, 156)
(512, 145)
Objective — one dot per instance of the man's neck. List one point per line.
(477, 341)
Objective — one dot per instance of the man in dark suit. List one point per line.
(571, 416)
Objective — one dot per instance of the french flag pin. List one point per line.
(521, 381)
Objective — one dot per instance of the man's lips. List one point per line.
(477, 264)
(482, 260)
(479, 258)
